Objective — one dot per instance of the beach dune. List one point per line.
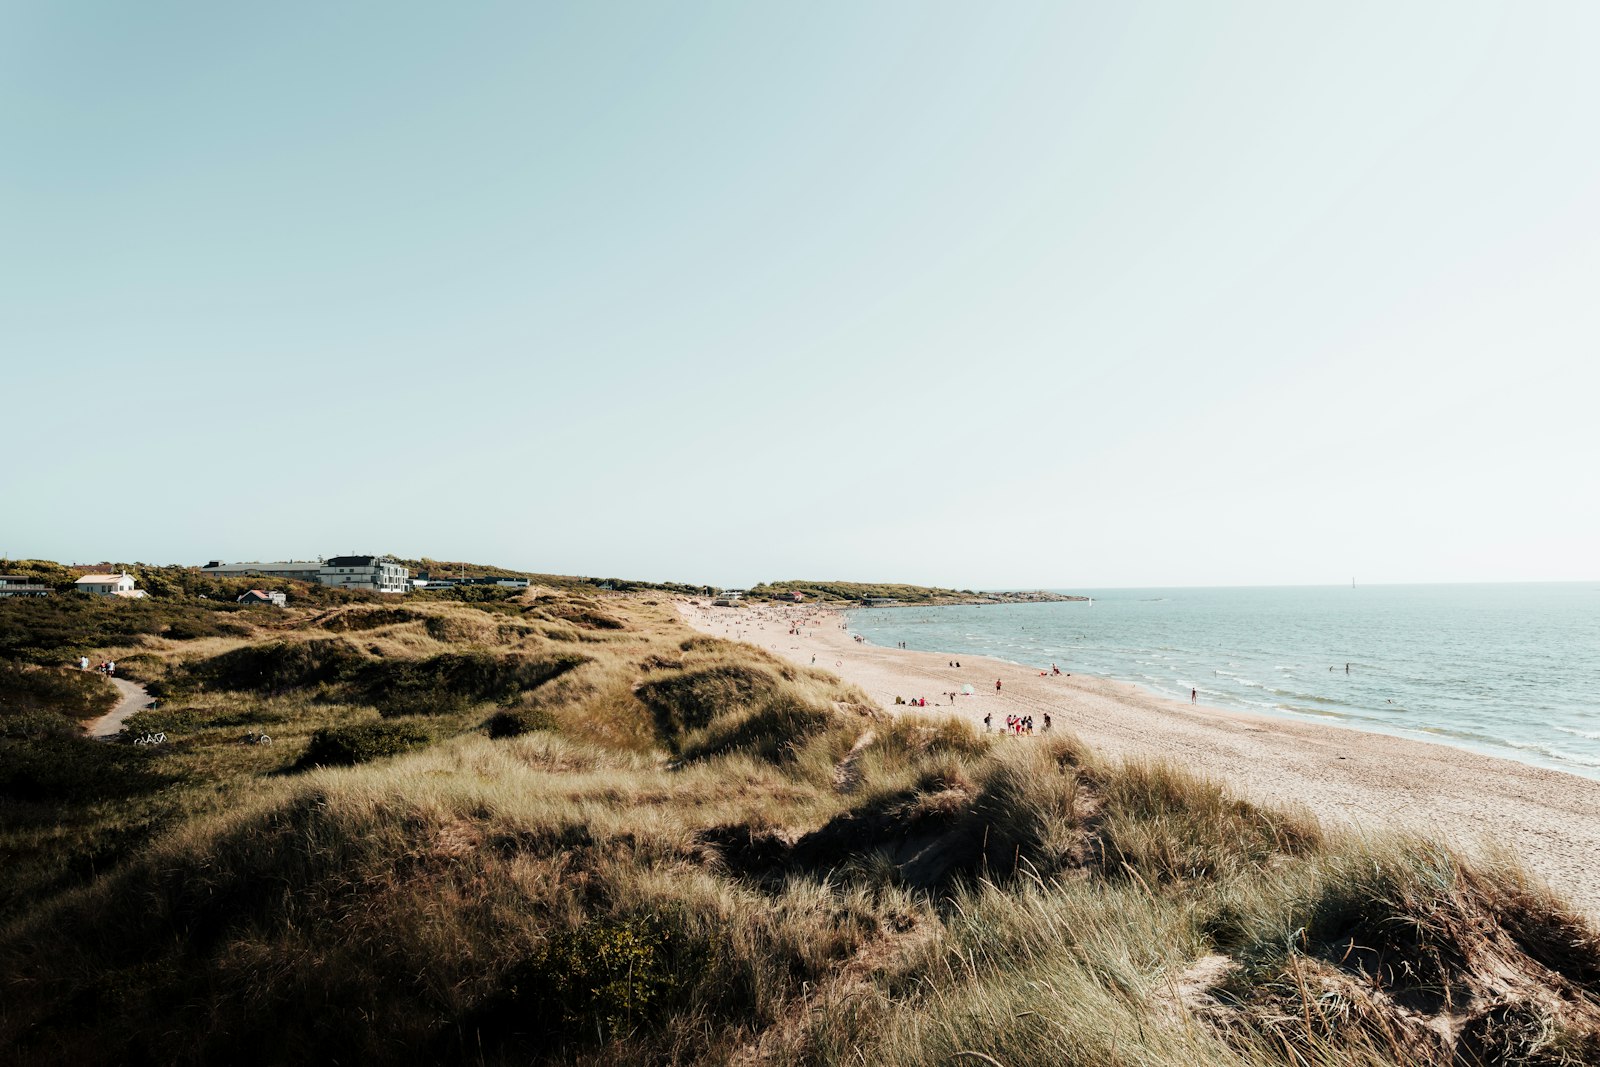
(1548, 819)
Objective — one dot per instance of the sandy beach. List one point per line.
(1370, 781)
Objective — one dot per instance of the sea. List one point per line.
(1511, 670)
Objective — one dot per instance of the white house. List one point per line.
(264, 596)
(108, 585)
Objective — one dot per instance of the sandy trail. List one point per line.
(134, 700)
(1549, 819)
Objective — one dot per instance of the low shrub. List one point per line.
(607, 978)
(341, 746)
(455, 680)
(62, 769)
(280, 666)
(520, 721)
(72, 695)
(52, 629)
(364, 618)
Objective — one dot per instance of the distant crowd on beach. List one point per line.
(1016, 724)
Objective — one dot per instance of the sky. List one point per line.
(1046, 295)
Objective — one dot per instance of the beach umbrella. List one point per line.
(966, 690)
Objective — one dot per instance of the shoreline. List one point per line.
(1361, 779)
(1487, 748)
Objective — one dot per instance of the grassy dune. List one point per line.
(550, 828)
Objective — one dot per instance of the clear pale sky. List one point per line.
(1059, 294)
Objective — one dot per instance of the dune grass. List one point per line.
(676, 849)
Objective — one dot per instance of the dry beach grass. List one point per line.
(1368, 782)
(682, 849)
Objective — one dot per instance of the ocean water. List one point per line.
(1511, 670)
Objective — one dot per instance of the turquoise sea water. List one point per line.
(1513, 670)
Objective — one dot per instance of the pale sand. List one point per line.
(1548, 819)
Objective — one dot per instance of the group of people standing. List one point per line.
(1016, 724)
(107, 667)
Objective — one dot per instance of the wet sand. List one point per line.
(1549, 819)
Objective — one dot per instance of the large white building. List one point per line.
(377, 574)
(303, 570)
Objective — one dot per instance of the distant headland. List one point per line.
(895, 595)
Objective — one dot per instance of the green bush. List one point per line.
(72, 695)
(59, 628)
(341, 746)
(454, 681)
(520, 721)
(60, 769)
(607, 978)
(281, 666)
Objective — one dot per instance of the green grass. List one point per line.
(629, 844)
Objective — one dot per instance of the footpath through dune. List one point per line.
(1548, 819)
(134, 700)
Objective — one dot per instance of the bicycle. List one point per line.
(150, 739)
(253, 738)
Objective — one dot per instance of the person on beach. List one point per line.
(987, 719)
(1194, 696)
(997, 685)
(1047, 722)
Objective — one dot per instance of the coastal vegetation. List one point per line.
(562, 582)
(857, 592)
(548, 827)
